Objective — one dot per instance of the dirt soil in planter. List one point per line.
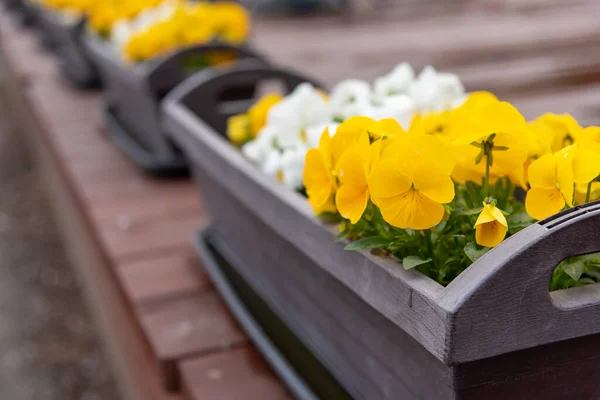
(49, 346)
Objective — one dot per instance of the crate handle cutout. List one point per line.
(203, 93)
(506, 290)
(167, 72)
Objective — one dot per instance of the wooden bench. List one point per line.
(168, 334)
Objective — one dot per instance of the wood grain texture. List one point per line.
(150, 279)
(211, 377)
(193, 325)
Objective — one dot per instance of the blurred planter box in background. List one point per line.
(133, 92)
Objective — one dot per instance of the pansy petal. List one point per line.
(349, 134)
(351, 201)
(498, 216)
(387, 127)
(352, 167)
(542, 172)
(317, 179)
(586, 165)
(412, 210)
(490, 234)
(486, 215)
(516, 154)
(564, 175)
(434, 183)
(387, 179)
(542, 203)
(501, 117)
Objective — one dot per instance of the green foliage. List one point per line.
(411, 262)
(446, 250)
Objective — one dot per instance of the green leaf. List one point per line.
(413, 261)
(440, 227)
(472, 211)
(374, 242)
(585, 281)
(574, 269)
(474, 252)
(341, 235)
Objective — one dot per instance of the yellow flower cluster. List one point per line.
(416, 178)
(191, 23)
(104, 14)
(242, 128)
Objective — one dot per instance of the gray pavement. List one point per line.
(49, 348)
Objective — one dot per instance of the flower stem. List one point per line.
(589, 192)
(486, 179)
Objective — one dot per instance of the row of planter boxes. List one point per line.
(339, 324)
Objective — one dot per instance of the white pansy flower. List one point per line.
(434, 91)
(258, 149)
(397, 82)
(286, 166)
(400, 107)
(297, 123)
(120, 33)
(303, 108)
(349, 98)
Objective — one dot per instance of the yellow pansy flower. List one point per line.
(552, 185)
(411, 187)
(348, 134)
(259, 111)
(318, 176)
(433, 123)
(508, 126)
(384, 128)
(231, 21)
(590, 133)
(238, 129)
(564, 129)
(353, 169)
(585, 161)
(491, 226)
(424, 147)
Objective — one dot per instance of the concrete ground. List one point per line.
(49, 348)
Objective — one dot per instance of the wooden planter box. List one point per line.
(133, 94)
(74, 61)
(385, 333)
(23, 11)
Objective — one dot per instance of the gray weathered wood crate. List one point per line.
(132, 97)
(74, 61)
(23, 11)
(385, 333)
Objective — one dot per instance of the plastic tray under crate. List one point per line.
(304, 375)
(133, 93)
(67, 38)
(495, 332)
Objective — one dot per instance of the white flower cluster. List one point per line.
(296, 123)
(123, 29)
